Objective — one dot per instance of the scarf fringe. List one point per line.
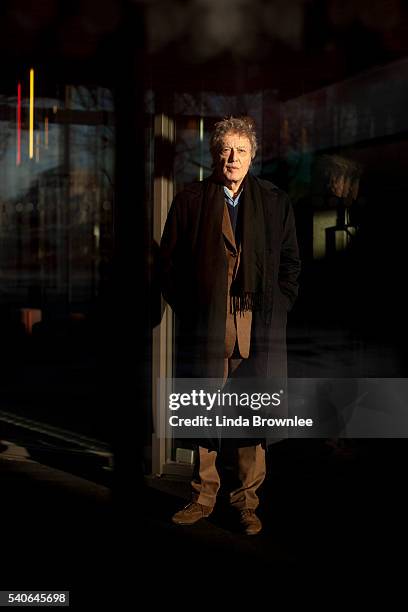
(246, 302)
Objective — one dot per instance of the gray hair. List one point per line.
(244, 126)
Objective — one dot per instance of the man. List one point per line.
(230, 265)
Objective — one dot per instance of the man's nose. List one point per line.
(233, 155)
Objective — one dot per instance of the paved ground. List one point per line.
(56, 528)
(328, 512)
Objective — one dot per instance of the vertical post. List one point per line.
(127, 338)
(162, 365)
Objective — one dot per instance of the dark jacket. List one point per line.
(201, 323)
(177, 252)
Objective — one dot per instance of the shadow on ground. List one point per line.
(326, 506)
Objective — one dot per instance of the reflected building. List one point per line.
(56, 208)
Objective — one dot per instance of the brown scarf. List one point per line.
(249, 290)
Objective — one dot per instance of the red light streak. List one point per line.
(18, 158)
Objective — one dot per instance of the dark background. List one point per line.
(291, 48)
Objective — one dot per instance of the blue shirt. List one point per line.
(231, 201)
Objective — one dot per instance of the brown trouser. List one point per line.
(250, 472)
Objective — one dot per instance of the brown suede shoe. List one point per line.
(192, 513)
(250, 523)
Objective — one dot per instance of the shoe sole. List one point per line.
(189, 523)
(250, 533)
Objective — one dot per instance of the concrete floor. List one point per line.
(57, 528)
(325, 509)
(328, 511)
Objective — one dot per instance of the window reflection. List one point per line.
(56, 207)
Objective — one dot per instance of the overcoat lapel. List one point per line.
(227, 229)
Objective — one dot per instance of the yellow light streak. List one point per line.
(31, 134)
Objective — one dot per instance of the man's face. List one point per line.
(234, 159)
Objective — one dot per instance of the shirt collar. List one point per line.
(230, 196)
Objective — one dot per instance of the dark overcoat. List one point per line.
(201, 313)
(201, 323)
